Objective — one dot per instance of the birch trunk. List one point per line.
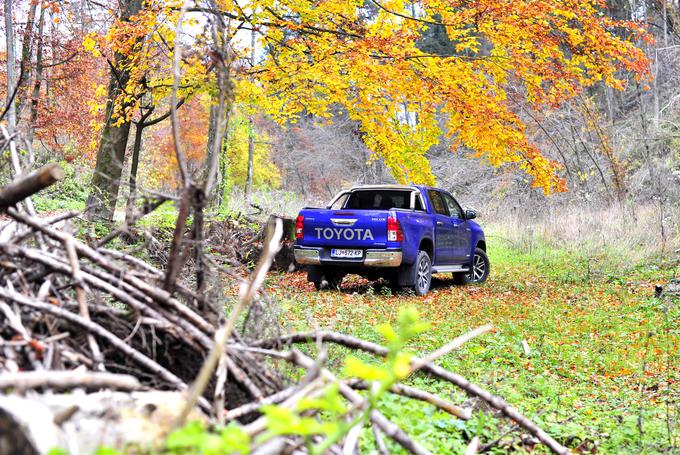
(251, 130)
(35, 93)
(11, 76)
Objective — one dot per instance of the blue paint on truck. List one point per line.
(404, 233)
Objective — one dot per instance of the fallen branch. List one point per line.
(254, 406)
(224, 333)
(389, 428)
(80, 298)
(26, 380)
(473, 447)
(150, 290)
(417, 394)
(104, 285)
(432, 369)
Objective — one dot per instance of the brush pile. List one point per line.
(98, 347)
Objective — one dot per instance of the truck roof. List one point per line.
(385, 187)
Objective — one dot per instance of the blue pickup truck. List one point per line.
(403, 233)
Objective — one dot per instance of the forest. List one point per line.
(155, 154)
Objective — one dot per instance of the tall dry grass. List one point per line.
(615, 237)
(619, 235)
(263, 202)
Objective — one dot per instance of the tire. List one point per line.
(422, 274)
(331, 280)
(480, 269)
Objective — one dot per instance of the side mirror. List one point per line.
(470, 214)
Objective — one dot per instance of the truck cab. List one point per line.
(404, 233)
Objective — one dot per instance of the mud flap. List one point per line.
(407, 275)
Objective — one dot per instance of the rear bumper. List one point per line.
(371, 258)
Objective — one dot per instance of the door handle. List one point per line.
(455, 224)
(439, 223)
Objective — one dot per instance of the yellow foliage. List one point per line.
(540, 51)
(265, 173)
(329, 55)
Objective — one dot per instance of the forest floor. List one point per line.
(602, 373)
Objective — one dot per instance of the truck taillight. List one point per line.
(394, 232)
(299, 226)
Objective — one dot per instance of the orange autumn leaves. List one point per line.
(365, 59)
(331, 55)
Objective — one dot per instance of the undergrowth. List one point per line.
(67, 194)
(601, 372)
(601, 369)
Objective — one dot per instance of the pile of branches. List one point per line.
(81, 316)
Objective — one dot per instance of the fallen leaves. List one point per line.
(590, 342)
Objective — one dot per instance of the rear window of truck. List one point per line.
(379, 200)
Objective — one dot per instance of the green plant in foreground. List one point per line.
(194, 438)
(334, 418)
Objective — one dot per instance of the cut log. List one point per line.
(79, 423)
(27, 185)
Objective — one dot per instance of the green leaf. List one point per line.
(235, 439)
(402, 365)
(190, 436)
(387, 332)
(410, 324)
(107, 451)
(359, 369)
(282, 421)
(330, 401)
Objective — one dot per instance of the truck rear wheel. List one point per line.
(422, 273)
(479, 271)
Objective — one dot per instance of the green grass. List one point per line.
(163, 218)
(67, 194)
(604, 358)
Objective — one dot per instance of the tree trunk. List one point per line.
(664, 16)
(251, 130)
(11, 83)
(655, 88)
(212, 133)
(26, 54)
(134, 166)
(111, 153)
(223, 174)
(35, 93)
(251, 155)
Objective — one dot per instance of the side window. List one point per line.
(418, 205)
(437, 202)
(454, 209)
(340, 202)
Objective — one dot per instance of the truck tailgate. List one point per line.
(345, 228)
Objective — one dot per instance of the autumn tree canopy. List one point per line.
(371, 61)
(365, 58)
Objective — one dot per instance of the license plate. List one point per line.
(346, 254)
